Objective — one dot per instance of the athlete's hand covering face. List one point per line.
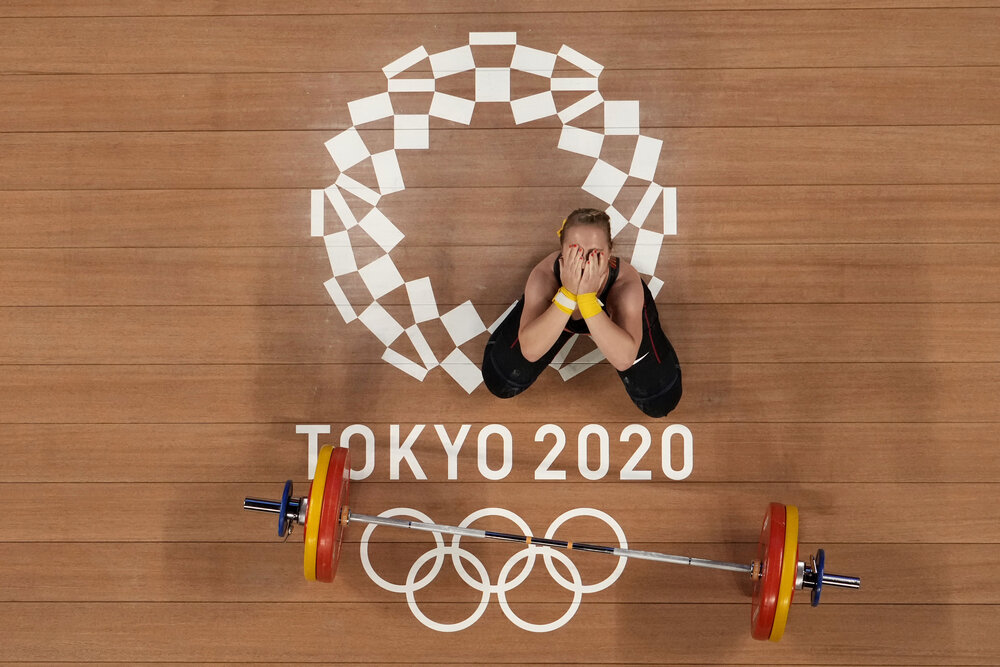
(571, 264)
(595, 270)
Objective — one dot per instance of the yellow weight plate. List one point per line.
(313, 513)
(788, 564)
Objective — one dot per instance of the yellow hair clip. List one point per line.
(559, 233)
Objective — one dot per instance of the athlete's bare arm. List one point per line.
(542, 322)
(619, 334)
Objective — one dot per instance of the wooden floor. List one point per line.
(833, 292)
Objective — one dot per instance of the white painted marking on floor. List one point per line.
(381, 323)
(578, 140)
(462, 370)
(340, 300)
(381, 276)
(655, 285)
(499, 320)
(317, 225)
(338, 249)
(492, 38)
(405, 62)
(411, 131)
(387, 173)
(576, 367)
(621, 117)
(422, 300)
(411, 368)
(645, 205)
(340, 206)
(453, 61)
(645, 158)
(573, 56)
(381, 230)
(605, 181)
(647, 251)
(573, 84)
(347, 149)
(557, 361)
(449, 107)
(581, 107)
(463, 323)
(533, 61)
(367, 109)
(411, 85)
(416, 337)
(533, 107)
(492, 84)
(618, 221)
(359, 190)
(670, 211)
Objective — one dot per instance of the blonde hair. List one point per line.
(586, 216)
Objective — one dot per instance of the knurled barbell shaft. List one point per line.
(546, 542)
(273, 506)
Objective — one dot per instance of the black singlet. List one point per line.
(580, 326)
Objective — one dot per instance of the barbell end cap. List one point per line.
(261, 505)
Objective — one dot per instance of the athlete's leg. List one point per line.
(505, 370)
(654, 380)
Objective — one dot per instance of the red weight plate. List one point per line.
(345, 499)
(335, 498)
(770, 550)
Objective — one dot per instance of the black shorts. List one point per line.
(653, 382)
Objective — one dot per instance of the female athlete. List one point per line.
(584, 289)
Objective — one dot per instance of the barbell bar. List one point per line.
(776, 573)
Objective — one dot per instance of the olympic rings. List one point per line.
(484, 584)
(605, 181)
(507, 514)
(456, 552)
(597, 514)
(389, 586)
(577, 590)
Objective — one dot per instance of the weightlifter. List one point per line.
(583, 289)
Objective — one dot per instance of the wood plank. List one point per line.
(722, 452)
(706, 214)
(709, 156)
(310, 393)
(761, 333)
(841, 514)
(904, 501)
(37, 8)
(865, 38)
(669, 98)
(711, 633)
(696, 274)
(402, 661)
(176, 572)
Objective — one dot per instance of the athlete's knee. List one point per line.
(500, 386)
(658, 402)
(496, 375)
(658, 409)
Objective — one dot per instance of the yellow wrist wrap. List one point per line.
(565, 300)
(589, 305)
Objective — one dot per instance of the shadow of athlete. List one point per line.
(583, 289)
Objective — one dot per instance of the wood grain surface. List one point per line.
(166, 336)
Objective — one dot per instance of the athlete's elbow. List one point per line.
(529, 350)
(531, 355)
(622, 365)
(623, 362)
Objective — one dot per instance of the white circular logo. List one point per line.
(412, 132)
(482, 581)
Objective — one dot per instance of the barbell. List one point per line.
(776, 573)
